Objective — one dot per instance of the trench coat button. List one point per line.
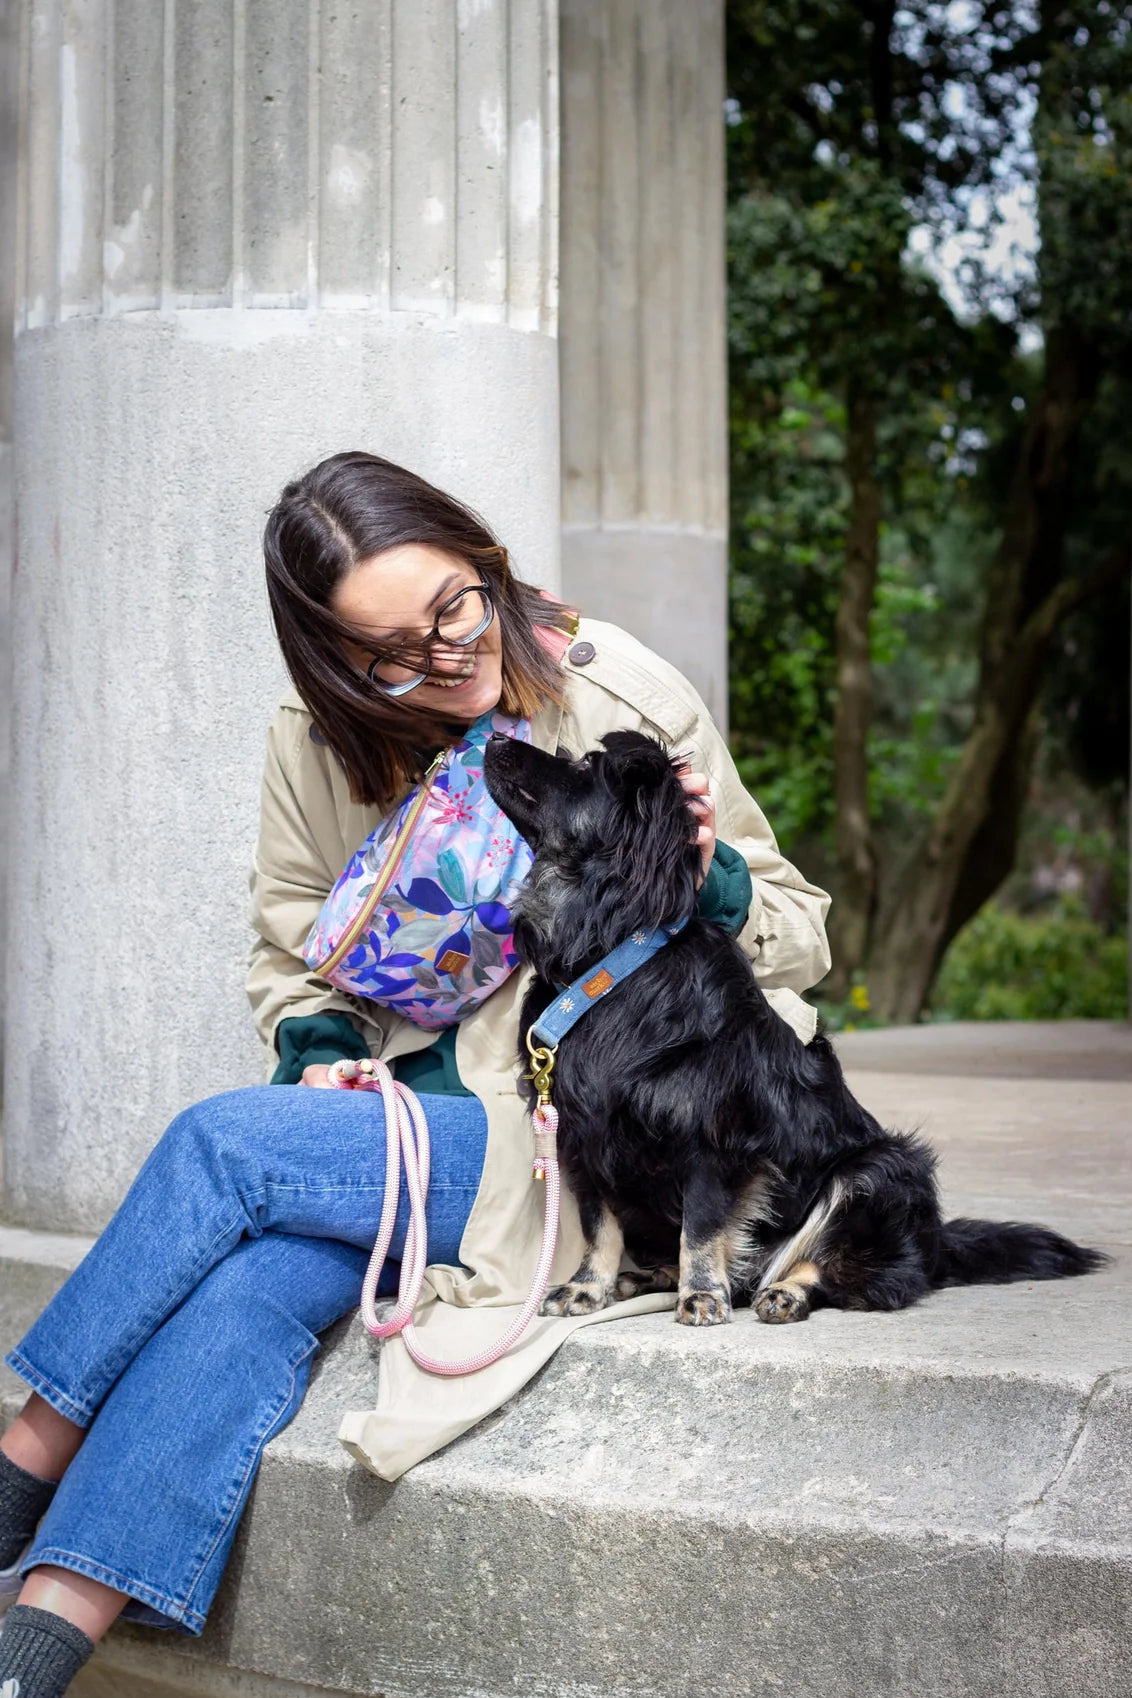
(581, 654)
(317, 737)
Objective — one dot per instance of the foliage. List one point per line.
(821, 295)
(852, 126)
(1082, 141)
(1074, 842)
(787, 528)
(854, 1014)
(1086, 696)
(1055, 966)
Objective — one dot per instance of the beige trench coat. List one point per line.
(309, 829)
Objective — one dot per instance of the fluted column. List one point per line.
(9, 65)
(642, 334)
(251, 233)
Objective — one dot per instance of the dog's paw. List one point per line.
(782, 1303)
(637, 1282)
(703, 1308)
(575, 1298)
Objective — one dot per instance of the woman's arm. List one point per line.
(784, 932)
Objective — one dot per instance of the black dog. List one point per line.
(696, 1129)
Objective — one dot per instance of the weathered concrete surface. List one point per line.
(249, 236)
(667, 586)
(146, 676)
(934, 1503)
(1039, 1049)
(643, 326)
(1049, 1138)
(9, 124)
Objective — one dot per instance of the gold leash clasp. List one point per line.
(542, 1066)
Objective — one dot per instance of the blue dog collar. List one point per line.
(567, 1009)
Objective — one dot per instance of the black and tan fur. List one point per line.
(697, 1131)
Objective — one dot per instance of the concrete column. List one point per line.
(643, 337)
(250, 234)
(9, 62)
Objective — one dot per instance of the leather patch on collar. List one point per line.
(599, 984)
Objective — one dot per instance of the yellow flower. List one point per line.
(859, 997)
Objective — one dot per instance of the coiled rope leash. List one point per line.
(406, 1139)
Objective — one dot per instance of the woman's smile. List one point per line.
(395, 595)
(451, 680)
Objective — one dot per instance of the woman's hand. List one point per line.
(318, 1075)
(700, 801)
(349, 1076)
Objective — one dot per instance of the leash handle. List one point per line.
(407, 1141)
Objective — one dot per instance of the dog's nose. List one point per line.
(499, 737)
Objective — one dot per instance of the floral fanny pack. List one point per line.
(420, 920)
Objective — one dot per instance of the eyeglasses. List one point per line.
(463, 617)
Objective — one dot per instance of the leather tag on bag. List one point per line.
(452, 961)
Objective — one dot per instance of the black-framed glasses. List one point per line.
(463, 617)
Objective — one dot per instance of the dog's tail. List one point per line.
(989, 1252)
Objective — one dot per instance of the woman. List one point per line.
(184, 1341)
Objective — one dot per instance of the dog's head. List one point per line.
(614, 845)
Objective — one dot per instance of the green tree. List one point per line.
(1063, 540)
(874, 436)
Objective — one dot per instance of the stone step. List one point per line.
(934, 1503)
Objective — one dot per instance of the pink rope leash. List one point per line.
(406, 1140)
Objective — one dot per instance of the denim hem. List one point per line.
(137, 1589)
(58, 1400)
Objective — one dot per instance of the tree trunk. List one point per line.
(994, 847)
(1027, 598)
(851, 915)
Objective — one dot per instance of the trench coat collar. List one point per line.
(545, 727)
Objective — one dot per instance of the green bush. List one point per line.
(1058, 965)
(852, 1015)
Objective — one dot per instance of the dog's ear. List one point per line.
(655, 851)
(636, 763)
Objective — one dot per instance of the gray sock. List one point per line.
(23, 1499)
(40, 1653)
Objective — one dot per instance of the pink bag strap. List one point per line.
(553, 640)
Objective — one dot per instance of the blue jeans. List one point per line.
(184, 1340)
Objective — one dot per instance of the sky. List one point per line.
(997, 224)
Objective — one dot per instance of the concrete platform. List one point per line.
(927, 1505)
(1040, 1049)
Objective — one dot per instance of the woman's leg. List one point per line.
(150, 1505)
(34, 1453)
(285, 1155)
(46, 1434)
(41, 1440)
(279, 1158)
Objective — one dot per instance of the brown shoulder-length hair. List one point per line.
(346, 510)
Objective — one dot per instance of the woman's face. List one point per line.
(395, 596)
